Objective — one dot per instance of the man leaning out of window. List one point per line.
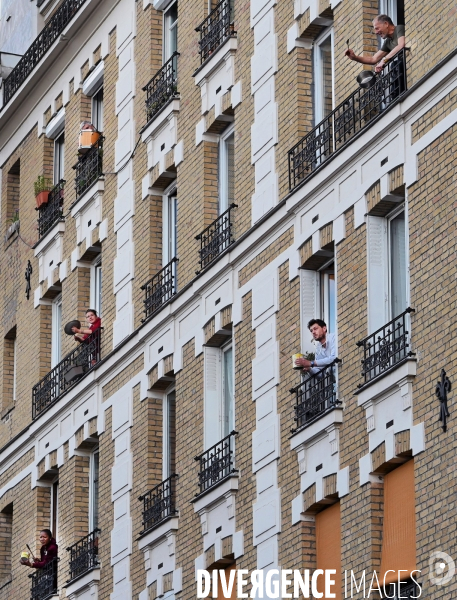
(325, 348)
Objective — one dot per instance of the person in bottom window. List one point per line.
(48, 551)
(325, 348)
(95, 323)
(394, 41)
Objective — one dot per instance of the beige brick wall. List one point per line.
(433, 116)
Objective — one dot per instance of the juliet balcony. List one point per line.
(216, 238)
(315, 396)
(386, 349)
(76, 365)
(84, 555)
(41, 45)
(52, 211)
(89, 168)
(347, 120)
(159, 289)
(44, 581)
(159, 504)
(216, 29)
(162, 88)
(217, 463)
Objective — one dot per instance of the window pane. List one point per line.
(325, 50)
(170, 32)
(59, 157)
(228, 417)
(398, 264)
(97, 110)
(169, 437)
(95, 488)
(331, 303)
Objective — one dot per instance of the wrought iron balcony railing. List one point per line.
(160, 288)
(159, 503)
(217, 463)
(315, 396)
(44, 581)
(67, 373)
(89, 168)
(216, 237)
(42, 43)
(386, 348)
(52, 211)
(84, 555)
(346, 120)
(162, 87)
(215, 29)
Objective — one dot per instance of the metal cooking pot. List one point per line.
(366, 79)
(71, 324)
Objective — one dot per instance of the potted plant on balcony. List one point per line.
(14, 225)
(42, 186)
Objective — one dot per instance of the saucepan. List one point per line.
(366, 79)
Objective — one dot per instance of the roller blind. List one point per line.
(399, 525)
(220, 587)
(328, 546)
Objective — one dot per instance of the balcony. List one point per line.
(162, 88)
(159, 503)
(52, 211)
(67, 373)
(386, 348)
(217, 463)
(215, 29)
(348, 119)
(408, 590)
(216, 238)
(44, 581)
(315, 397)
(159, 289)
(84, 555)
(42, 43)
(89, 168)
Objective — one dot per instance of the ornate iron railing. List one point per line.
(51, 212)
(160, 288)
(42, 43)
(217, 463)
(159, 503)
(216, 237)
(84, 555)
(162, 87)
(346, 120)
(44, 581)
(216, 29)
(67, 373)
(89, 168)
(386, 347)
(314, 396)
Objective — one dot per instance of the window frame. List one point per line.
(230, 426)
(56, 331)
(169, 224)
(318, 96)
(167, 470)
(168, 48)
(55, 508)
(389, 218)
(59, 157)
(324, 296)
(14, 369)
(97, 109)
(96, 284)
(93, 522)
(223, 168)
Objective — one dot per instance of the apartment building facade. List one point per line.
(233, 183)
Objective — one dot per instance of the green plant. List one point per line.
(310, 355)
(42, 184)
(15, 218)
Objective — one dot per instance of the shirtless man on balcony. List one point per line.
(394, 41)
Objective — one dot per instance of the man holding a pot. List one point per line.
(394, 41)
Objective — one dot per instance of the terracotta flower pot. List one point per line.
(41, 198)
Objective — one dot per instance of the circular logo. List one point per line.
(441, 568)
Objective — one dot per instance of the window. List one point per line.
(96, 285)
(14, 368)
(170, 31)
(170, 209)
(395, 9)
(387, 268)
(6, 527)
(13, 182)
(327, 293)
(323, 75)
(55, 509)
(56, 331)
(219, 414)
(226, 170)
(59, 158)
(93, 490)
(169, 434)
(97, 110)
(9, 368)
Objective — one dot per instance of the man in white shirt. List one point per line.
(325, 348)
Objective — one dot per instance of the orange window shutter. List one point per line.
(399, 526)
(220, 594)
(328, 547)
